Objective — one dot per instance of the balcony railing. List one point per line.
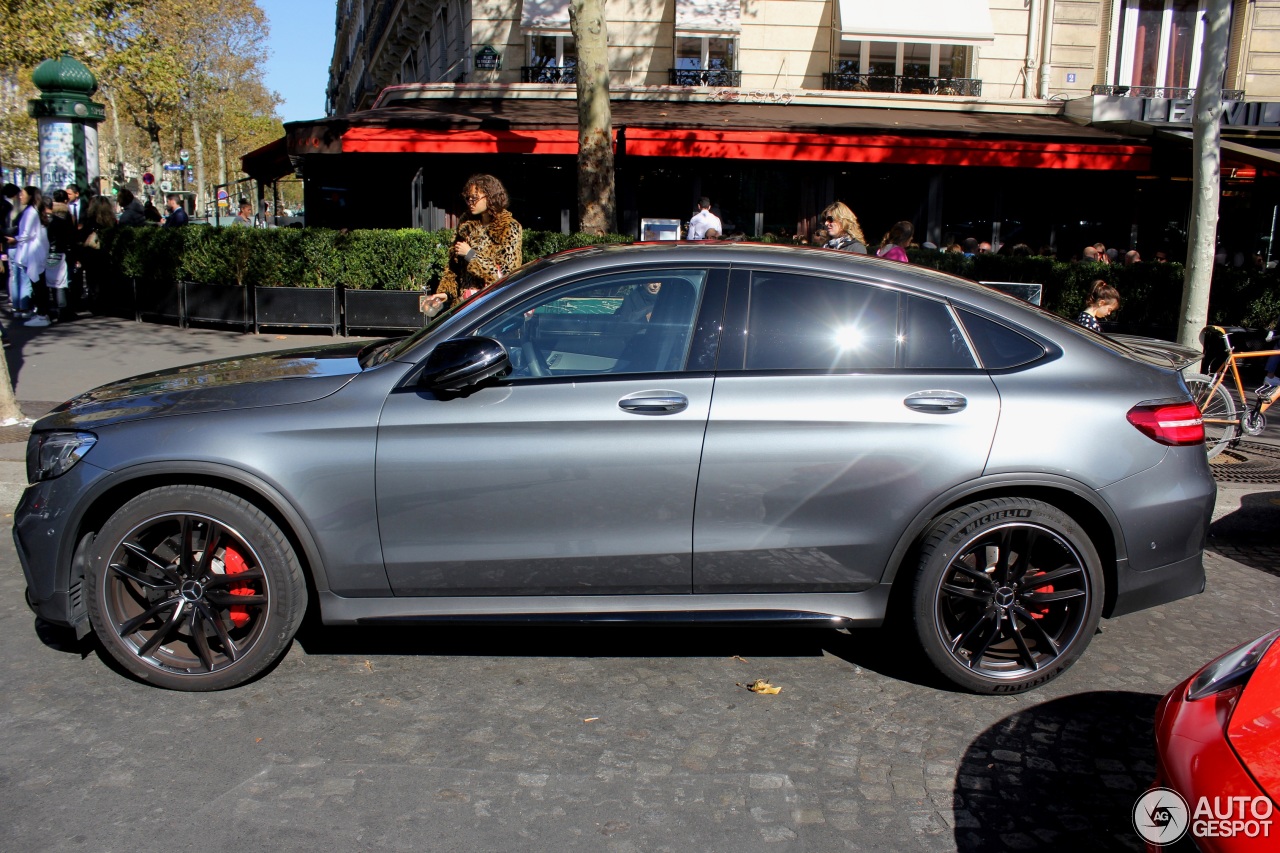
(548, 74)
(706, 77)
(1167, 92)
(899, 84)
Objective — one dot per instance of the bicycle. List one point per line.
(1224, 423)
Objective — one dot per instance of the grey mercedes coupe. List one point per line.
(666, 433)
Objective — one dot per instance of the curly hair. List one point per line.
(494, 191)
(840, 212)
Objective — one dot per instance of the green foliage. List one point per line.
(407, 259)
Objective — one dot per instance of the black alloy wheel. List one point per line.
(1008, 596)
(194, 589)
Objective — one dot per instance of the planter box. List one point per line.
(381, 309)
(216, 303)
(157, 300)
(296, 307)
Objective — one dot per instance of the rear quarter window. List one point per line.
(999, 347)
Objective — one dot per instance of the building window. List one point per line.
(903, 59)
(552, 51)
(1160, 43)
(706, 53)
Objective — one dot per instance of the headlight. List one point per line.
(52, 454)
(1235, 667)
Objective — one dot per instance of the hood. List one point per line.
(1157, 352)
(272, 379)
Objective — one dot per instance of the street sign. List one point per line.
(488, 58)
(174, 167)
(148, 178)
(222, 193)
(165, 186)
(184, 155)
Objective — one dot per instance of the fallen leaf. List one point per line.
(282, 337)
(590, 719)
(761, 686)
(257, 740)
(368, 665)
(739, 658)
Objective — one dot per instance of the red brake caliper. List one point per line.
(235, 565)
(1043, 610)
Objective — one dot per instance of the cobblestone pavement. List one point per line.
(596, 739)
(601, 739)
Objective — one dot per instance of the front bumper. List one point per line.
(45, 526)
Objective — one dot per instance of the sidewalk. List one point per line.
(53, 364)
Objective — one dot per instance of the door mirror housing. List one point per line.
(462, 363)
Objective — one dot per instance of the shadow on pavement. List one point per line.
(564, 641)
(1063, 775)
(1250, 535)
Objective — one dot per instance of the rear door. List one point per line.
(841, 408)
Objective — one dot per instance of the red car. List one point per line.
(1218, 756)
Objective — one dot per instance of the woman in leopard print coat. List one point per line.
(487, 243)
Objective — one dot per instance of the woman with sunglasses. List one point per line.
(486, 247)
(843, 229)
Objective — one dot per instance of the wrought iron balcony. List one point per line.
(705, 77)
(548, 74)
(1168, 92)
(900, 84)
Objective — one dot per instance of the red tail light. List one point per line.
(1175, 424)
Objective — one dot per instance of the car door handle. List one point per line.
(654, 403)
(936, 402)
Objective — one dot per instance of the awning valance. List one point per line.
(708, 17)
(544, 16)
(931, 21)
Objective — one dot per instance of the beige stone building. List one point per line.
(1010, 120)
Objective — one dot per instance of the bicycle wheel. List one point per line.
(1219, 406)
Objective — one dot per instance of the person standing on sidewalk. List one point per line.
(177, 213)
(29, 250)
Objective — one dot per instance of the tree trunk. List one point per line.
(9, 412)
(596, 204)
(222, 162)
(1206, 161)
(197, 142)
(118, 174)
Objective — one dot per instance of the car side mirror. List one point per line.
(462, 363)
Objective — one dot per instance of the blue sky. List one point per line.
(300, 47)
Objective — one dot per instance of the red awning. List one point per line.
(407, 140)
(761, 145)
(879, 148)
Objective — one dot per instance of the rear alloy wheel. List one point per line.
(194, 588)
(1008, 595)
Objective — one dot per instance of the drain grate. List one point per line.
(1247, 462)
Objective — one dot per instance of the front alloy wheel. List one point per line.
(1008, 595)
(194, 589)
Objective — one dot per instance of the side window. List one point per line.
(931, 339)
(998, 345)
(799, 322)
(614, 324)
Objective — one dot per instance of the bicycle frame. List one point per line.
(1232, 362)
(1224, 420)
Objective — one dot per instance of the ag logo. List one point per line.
(1160, 816)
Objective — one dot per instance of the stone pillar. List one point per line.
(68, 123)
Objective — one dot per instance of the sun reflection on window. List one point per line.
(848, 337)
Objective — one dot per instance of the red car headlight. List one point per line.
(1232, 669)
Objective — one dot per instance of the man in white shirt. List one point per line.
(703, 220)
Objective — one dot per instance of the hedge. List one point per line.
(406, 259)
(410, 259)
(1150, 293)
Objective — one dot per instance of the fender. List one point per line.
(1002, 483)
(177, 469)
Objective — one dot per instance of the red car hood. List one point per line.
(1254, 731)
